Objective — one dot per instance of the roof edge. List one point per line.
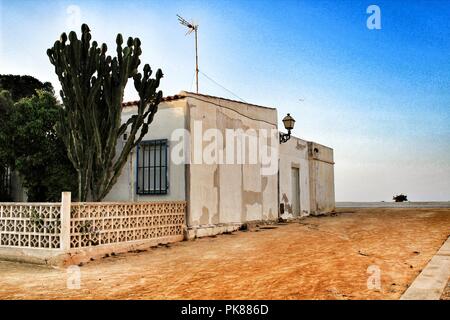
(193, 94)
(164, 99)
(183, 94)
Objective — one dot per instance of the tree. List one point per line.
(22, 86)
(30, 146)
(6, 129)
(400, 198)
(92, 92)
(15, 88)
(5, 107)
(5, 195)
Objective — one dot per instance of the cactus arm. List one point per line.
(93, 85)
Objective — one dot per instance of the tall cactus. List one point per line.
(92, 92)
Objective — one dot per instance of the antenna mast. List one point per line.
(191, 28)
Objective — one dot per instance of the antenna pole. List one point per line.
(191, 27)
(196, 59)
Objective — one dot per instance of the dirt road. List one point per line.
(446, 293)
(316, 258)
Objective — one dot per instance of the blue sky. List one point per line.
(380, 98)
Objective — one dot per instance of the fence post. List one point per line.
(65, 220)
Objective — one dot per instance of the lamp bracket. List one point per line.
(284, 137)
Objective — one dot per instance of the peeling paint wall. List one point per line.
(229, 193)
(170, 116)
(321, 173)
(294, 154)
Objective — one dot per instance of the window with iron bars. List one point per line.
(152, 173)
(5, 183)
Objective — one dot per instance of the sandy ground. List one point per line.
(446, 293)
(316, 258)
(392, 204)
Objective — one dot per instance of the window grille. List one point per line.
(152, 173)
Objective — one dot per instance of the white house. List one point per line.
(224, 158)
(297, 178)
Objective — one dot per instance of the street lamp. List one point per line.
(288, 122)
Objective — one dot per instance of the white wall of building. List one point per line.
(294, 154)
(229, 193)
(321, 171)
(170, 116)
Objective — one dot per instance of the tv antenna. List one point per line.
(191, 28)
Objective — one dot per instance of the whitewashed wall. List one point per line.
(294, 153)
(321, 164)
(170, 116)
(229, 193)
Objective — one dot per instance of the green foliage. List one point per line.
(400, 198)
(93, 86)
(5, 104)
(5, 107)
(30, 146)
(12, 89)
(6, 129)
(5, 194)
(36, 219)
(22, 86)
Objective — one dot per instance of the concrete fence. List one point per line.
(72, 232)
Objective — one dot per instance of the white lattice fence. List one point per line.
(93, 224)
(30, 225)
(68, 227)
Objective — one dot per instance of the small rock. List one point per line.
(362, 253)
